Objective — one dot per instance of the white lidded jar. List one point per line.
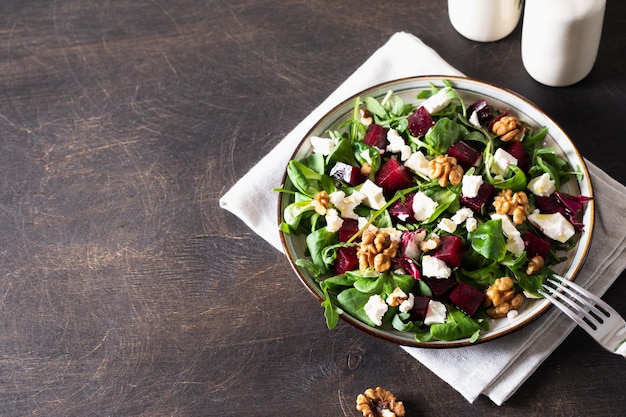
(560, 39)
(484, 20)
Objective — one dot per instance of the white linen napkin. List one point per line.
(498, 368)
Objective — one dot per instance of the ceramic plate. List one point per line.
(470, 90)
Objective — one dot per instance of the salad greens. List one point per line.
(445, 240)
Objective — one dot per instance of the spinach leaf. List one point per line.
(444, 134)
(353, 301)
(370, 285)
(488, 240)
(343, 152)
(294, 212)
(304, 179)
(316, 242)
(517, 182)
(484, 276)
(457, 326)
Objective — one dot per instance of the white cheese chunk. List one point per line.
(501, 161)
(436, 313)
(394, 234)
(470, 185)
(542, 186)
(473, 119)
(437, 101)
(333, 221)
(407, 304)
(372, 195)
(554, 225)
(322, 146)
(423, 206)
(397, 145)
(447, 225)
(375, 308)
(346, 204)
(462, 214)
(435, 267)
(417, 162)
(471, 224)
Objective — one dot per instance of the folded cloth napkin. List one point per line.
(498, 368)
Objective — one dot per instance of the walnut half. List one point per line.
(379, 402)
(376, 250)
(500, 298)
(513, 204)
(446, 169)
(509, 129)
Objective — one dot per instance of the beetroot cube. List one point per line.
(451, 250)
(347, 173)
(484, 197)
(348, 229)
(535, 245)
(393, 176)
(548, 204)
(376, 136)
(440, 287)
(403, 210)
(482, 110)
(346, 260)
(420, 121)
(465, 155)
(420, 308)
(516, 149)
(467, 298)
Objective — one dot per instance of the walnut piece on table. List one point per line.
(379, 402)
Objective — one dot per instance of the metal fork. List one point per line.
(595, 316)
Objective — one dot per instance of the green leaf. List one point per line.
(457, 326)
(353, 301)
(331, 312)
(443, 134)
(316, 242)
(488, 240)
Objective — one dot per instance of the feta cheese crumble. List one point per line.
(542, 186)
(501, 161)
(436, 313)
(423, 206)
(372, 195)
(470, 185)
(375, 308)
(438, 101)
(346, 204)
(323, 146)
(333, 221)
(554, 225)
(434, 267)
(397, 145)
(417, 162)
(447, 225)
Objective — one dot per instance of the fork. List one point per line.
(595, 316)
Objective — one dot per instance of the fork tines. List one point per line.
(583, 307)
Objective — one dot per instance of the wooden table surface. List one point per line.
(125, 289)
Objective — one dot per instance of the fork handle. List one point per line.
(621, 350)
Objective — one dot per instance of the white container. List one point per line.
(560, 39)
(484, 20)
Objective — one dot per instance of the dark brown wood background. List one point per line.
(126, 290)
